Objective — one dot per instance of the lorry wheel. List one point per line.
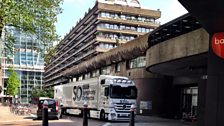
(102, 115)
(64, 111)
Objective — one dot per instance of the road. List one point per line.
(140, 121)
(7, 118)
(77, 121)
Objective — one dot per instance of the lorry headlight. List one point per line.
(113, 115)
(111, 109)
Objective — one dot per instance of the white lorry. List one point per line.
(108, 97)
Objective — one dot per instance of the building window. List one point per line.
(123, 17)
(107, 14)
(106, 70)
(87, 75)
(117, 67)
(103, 14)
(116, 16)
(80, 78)
(137, 62)
(95, 73)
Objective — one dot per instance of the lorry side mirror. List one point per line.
(106, 91)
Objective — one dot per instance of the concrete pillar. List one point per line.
(210, 15)
(201, 101)
(214, 107)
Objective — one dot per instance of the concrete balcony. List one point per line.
(108, 40)
(58, 70)
(130, 10)
(129, 22)
(102, 50)
(123, 31)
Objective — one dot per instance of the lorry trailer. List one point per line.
(108, 97)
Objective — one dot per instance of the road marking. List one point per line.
(107, 124)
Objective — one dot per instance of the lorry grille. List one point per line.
(122, 107)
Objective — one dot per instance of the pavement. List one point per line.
(6, 115)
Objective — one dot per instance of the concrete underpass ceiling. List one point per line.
(208, 12)
(194, 66)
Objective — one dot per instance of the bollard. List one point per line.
(132, 116)
(85, 112)
(45, 114)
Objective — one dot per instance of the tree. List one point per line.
(36, 17)
(51, 52)
(12, 83)
(38, 92)
(50, 93)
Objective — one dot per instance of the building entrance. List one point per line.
(189, 103)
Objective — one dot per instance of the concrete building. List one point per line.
(109, 24)
(27, 60)
(185, 74)
(176, 55)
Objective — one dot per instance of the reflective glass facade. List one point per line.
(27, 60)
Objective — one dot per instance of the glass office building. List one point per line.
(27, 60)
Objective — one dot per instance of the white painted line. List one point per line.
(107, 124)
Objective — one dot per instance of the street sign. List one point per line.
(218, 44)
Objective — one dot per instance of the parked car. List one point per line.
(54, 109)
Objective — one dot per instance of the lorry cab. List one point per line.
(117, 94)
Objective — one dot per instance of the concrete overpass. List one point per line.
(184, 55)
(179, 50)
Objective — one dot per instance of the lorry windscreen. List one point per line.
(123, 92)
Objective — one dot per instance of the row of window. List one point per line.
(30, 62)
(28, 58)
(26, 73)
(116, 36)
(31, 78)
(30, 81)
(24, 93)
(126, 17)
(26, 86)
(134, 63)
(107, 45)
(124, 27)
(138, 62)
(31, 73)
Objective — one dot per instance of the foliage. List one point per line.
(12, 83)
(38, 92)
(50, 53)
(50, 92)
(36, 17)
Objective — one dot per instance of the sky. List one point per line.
(73, 10)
